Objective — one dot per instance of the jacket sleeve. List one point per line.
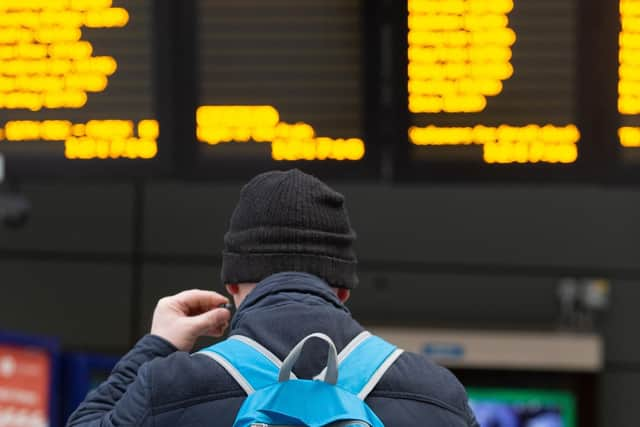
(125, 397)
(471, 417)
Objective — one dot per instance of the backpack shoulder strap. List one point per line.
(249, 363)
(363, 365)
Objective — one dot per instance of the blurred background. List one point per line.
(488, 150)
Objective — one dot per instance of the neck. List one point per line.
(240, 291)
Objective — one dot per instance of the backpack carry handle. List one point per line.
(331, 376)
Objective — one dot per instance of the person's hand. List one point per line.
(182, 318)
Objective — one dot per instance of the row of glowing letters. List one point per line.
(629, 68)
(507, 144)
(102, 139)
(98, 18)
(222, 124)
(39, 5)
(458, 7)
(113, 139)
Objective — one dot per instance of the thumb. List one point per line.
(212, 323)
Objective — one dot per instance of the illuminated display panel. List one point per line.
(629, 80)
(76, 85)
(492, 82)
(523, 407)
(280, 85)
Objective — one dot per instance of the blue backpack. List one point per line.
(335, 397)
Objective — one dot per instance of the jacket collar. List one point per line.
(282, 283)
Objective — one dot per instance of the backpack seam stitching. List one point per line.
(183, 404)
(418, 398)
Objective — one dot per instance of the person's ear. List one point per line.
(343, 294)
(233, 289)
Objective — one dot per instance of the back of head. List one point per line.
(289, 221)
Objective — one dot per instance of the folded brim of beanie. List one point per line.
(252, 268)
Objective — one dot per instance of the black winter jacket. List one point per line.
(155, 385)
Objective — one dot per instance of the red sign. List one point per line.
(25, 379)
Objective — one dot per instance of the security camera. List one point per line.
(14, 209)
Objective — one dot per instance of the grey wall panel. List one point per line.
(619, 399)
(86, 305)
(399, 299)
(562, 227)
(187, 218)
(621, 323)
(471, 301)
(75, 217)
(586, 227)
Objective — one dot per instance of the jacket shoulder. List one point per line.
(415, 376)
(183, 377)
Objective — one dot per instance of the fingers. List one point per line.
(182, 318)
(196, 301)
(212, 323)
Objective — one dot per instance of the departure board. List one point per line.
(457, 89)
(76, 80)
(492, 83)
(280, 84)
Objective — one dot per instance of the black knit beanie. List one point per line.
(289, 221)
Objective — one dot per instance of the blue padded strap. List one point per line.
(246, 363)
(361, 370)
